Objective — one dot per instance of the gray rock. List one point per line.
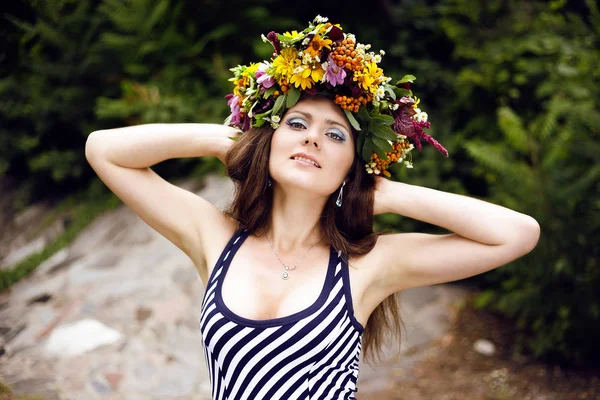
(484, 347)
(80, 337)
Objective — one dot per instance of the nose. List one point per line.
(312, 138)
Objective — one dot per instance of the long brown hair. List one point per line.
(351, 232)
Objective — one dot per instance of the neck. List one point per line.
(295, 216)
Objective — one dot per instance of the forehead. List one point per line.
(322, 108)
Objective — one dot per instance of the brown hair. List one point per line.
(352, 232)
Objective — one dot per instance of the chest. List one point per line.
(253, 288)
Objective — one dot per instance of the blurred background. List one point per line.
(512, 89)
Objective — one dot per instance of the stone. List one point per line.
(17, 255)
(143, 313)
(53, 263)
(113, 379)
(101, 387)
(484, 347)
(80, 337)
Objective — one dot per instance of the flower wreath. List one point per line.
(323, 59)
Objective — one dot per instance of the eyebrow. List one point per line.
(329, 121)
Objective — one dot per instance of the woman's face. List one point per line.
(316, 129)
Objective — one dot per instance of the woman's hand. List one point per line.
(381, 184)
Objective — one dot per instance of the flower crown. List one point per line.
(322, 59)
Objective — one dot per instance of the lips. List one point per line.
(306, 158)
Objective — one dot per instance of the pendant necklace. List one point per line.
(285, 274)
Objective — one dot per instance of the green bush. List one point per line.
(539, 65)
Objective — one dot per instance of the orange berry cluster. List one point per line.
(352, 103)
(393, 157)
(345, 55)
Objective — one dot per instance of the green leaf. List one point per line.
(384, 132)
(483, 299)
(400, 92)
(269, 92)
(363, 114)
(512, 127)
(293, 95)
(258, 123)
(279, 104)
(367, 150)
(360, 142)
(380, 119)
(262, 115)
(352, 120)
(390, 90)
(381, 144)
(406, 78)
(380, 153)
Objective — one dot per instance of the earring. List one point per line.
(338, 202)
(269, 183)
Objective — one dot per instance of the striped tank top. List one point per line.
(312, 354)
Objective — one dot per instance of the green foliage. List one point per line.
(542, 158)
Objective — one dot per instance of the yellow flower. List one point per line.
(417, 101)
(317, 72)
(285, 63)
(303, 79)
(251, 69)
(316, 46)
(369, 78)
(294, 35)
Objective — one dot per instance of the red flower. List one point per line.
(272, 36)
(404, 124)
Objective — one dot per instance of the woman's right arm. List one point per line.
(122, 158)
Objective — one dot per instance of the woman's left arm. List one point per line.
(484, 236)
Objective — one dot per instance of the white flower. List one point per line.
(417, 110)
(367, 46)
(408, 164)
(305, 42)
(376, 171)
(421, 117)
(377, 58)
(382, 52)
(264, 38)
(276, 118)
(380, 93)
(320, 20)
(369, 170)
(394, 106)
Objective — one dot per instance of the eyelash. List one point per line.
(294, 125)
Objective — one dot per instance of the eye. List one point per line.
(296, 123)
(337, 135)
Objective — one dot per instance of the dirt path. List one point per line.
(115, 316)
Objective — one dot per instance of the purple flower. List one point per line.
(234, 105)
(264, 79)
(334, 74)
(403, 121)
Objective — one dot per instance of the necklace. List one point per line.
(285, 274)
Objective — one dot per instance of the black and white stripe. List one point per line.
(312, 354)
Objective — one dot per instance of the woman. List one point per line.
(296, 279)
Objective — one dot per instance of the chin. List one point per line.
(315, 184)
